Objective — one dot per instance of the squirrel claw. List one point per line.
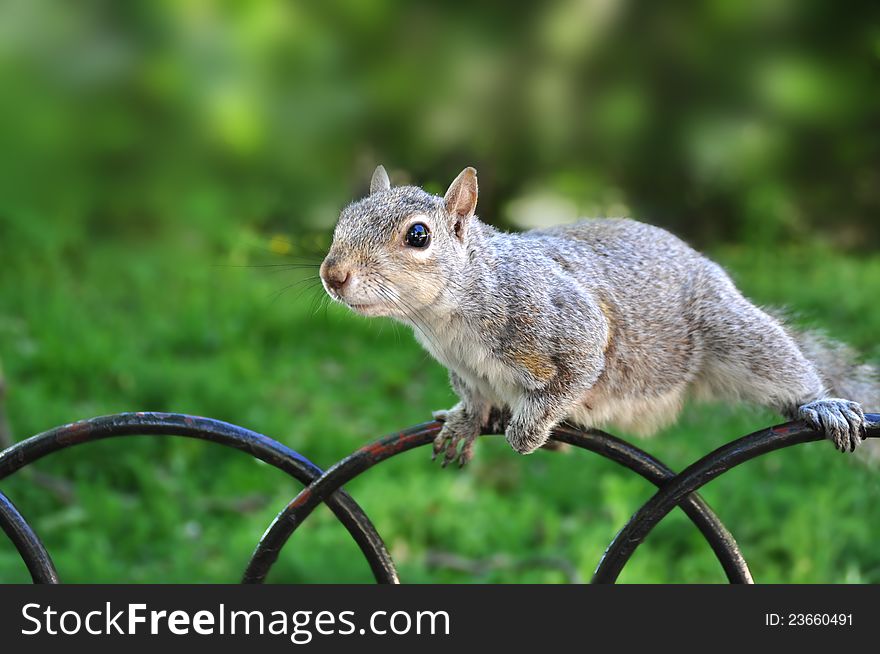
(449, 445)
(456, 437)
(842, 421)
(451, 451)
(466, 454)
(439, 444)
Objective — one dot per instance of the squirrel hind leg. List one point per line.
(842, 421)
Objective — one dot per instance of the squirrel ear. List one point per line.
(380, 181)
(461, 197)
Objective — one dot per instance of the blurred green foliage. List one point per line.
(150, 150)
(752, 121)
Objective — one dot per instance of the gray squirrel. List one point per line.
(602, 321)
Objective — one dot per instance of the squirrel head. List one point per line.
(399, 251)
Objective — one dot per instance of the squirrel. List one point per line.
(608, 320)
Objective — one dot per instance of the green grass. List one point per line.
(123, 326)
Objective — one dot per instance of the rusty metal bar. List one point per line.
(30, 547)
(170, 424)
(326, 487)
(292, 516)
(695, 477)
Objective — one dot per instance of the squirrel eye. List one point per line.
(418, 235)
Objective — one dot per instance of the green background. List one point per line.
(159, 158)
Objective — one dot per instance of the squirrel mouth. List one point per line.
(365, 309)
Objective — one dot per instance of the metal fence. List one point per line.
(326, 486)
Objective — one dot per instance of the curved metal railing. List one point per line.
(326, 486)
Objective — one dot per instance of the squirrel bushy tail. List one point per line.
(844, 374)
(839, 366)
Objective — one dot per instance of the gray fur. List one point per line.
(605, 321)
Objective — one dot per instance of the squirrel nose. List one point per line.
(336, 277)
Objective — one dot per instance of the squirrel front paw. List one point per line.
(525, 439)
(460, 428)
(842, 421)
